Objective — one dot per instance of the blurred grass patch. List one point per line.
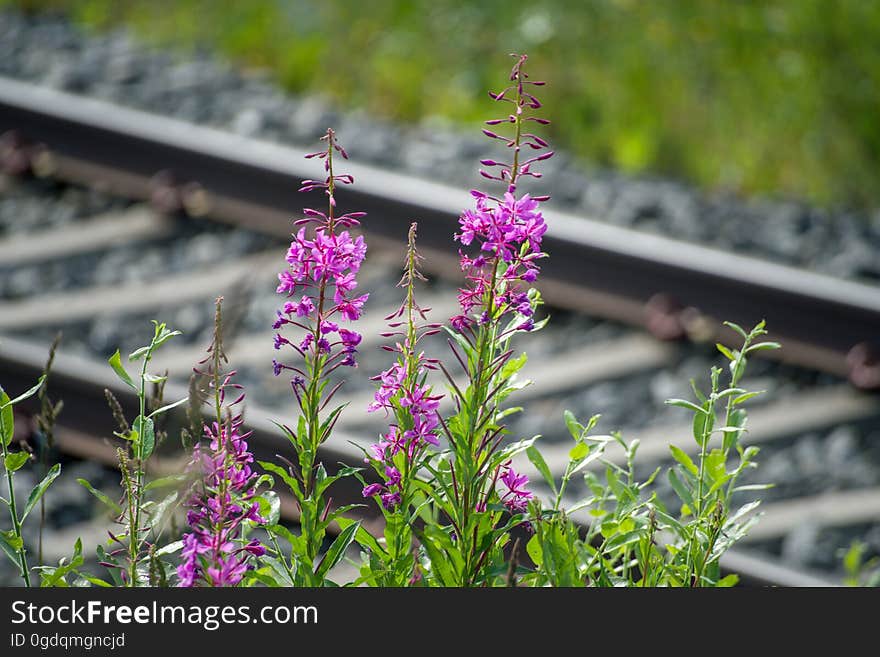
(770, 96)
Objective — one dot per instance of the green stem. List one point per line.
(13, 512)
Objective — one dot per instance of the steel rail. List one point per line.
(823, 322)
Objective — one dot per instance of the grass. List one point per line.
(767, 96)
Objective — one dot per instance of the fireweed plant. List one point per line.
(405, 450)
(446, 476)
(223, 506)
(319, 285)
(475, 484)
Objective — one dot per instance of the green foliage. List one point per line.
(143, 513)
(11, 541)
(631, 538)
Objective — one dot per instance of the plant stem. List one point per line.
(13, 513)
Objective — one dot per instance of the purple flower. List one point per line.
(222, 503)
(516, 498)
(508, 230)
(372, 489)
(349, 338)
(390, 500)
(322, 262)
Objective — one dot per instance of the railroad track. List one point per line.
(623, 288)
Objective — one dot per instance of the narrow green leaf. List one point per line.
(679, 455)
(763, 346)
(684, 403)
(680, 489)
(540, 464)
(168, 407)
(171, 548)
(113, 506)
(164, 482)
(95, 581)
(15, 460)
(285, 476)
(7, 420)
(144, 428)
(38, 490)
(746, 487)
(724, 350)
(24, 395)
(575, 428)
(137, 354)
(739, 329)
(116, 363)
(624, 539)
(747, 396)
(337, 550)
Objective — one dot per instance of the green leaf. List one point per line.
(113, 506)
(137, 354)
(168, 407)
(763, 346)
(680, 489)
(270, 506)
(724, 350)
(154, 378)
(540, 464)
(337, 550)
(146, 436)
(679, 455)
(575, 428)
(164, 482)
(7, 420)
(164, 336)
(684, 403)
(285, 476)
(16, 460)
(11, 544)
(171, 548)
(744, 487)
(24, 395)
(116, 363)
(534, 550)
(739, 329)
(715, 462)
(362, 536)
(747, 396)
(579, 451)
(624, 539)
(728, 581)
(96, 581)
(38, 490)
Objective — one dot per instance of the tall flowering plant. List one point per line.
(406, 448)
(318, 285)
(478, 489)
(223, 506)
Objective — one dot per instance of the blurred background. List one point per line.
(769, 96)
(749, 128)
